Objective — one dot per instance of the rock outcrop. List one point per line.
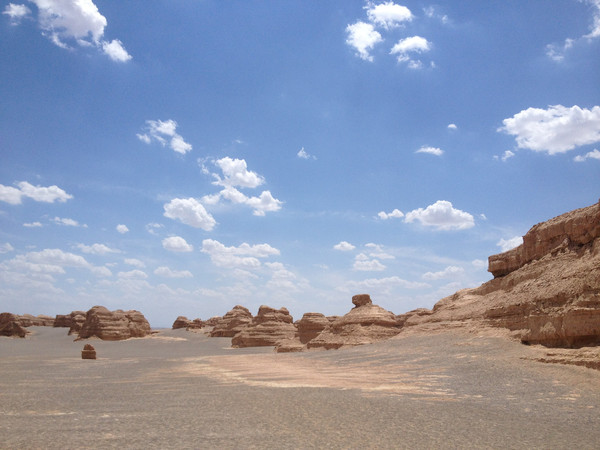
(364, 324)
(10, 325)
(88, 352)
(310, 326)
(232, 323)
(181, 322)
(114, 325)
(266, 329)
(28, 320)
(546, 291)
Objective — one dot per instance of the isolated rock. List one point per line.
(310, 326)
(114, 325)
(266, 329)
(181, 322)
(88, 352)
(364, 324)
(547, 291)
(232, 323)
(10, 325)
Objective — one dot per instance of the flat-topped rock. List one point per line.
(232, 323)
(88, 352)
(114, 325)
(266, 329)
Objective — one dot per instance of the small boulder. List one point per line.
(88, 352)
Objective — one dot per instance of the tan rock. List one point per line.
(114, 325)
(266, 329)
(10, 325)
(310, 326)
(232, 323)
(28, 320)
(88, 352)
(545, 292)
(181, 322)
(364, 324)
(77, 319)
(196, 324)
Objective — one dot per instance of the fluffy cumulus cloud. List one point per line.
(363, 37)
(557, 52)
(50, 194)
(448, 272)
(122, 229)
(164, 133)
(164, 271)
(431, 151)
(556, 129)
(388, 14)
(344, 246)
(68, 22)
(97, 249)
(191, 212)
(395, 214)
(244, 256)
(508, 244)
(366, 263)
(594, 154)
(442, 216)
(406, 47)
(177, 244)
(234, 174)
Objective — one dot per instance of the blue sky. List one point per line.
(186, 156)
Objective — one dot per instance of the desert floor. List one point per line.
(180, 389)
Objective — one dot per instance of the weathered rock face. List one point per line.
(10, 325)
(196, 324)
(27, 320)
(88, 352)
(364, 324)
(181, 322)
(232, 323)
(547, 291)
(77, 320)
(266, 329)
(114, 325)
(310, 326)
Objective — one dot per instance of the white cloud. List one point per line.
(363, 37)
(554, 130)
(164, 271)
(377, 251)
(177, 244)
(191, 212)
(388, 14)
(441, 215)
(135, 274)
(67, 222)
(381, 284)
(448, 272)
(364, 263)
(594, 154)
(33, 225)
(48, 194)
(344, 246)
(505, 156)
(431, 151)
(431, 12)
(115, 51)
(413, 44)
(122, 228)
(153, 228)
(245, 256)
(52, 261)
(165, 133)
(6, 248)
(236, 173)
(479, 263)
(97, 249)
(452, 126)
(557, 52)
(16, 12)
(508, 244)
(395, 214)
(135, 262)
(303, 154)
(80, 22)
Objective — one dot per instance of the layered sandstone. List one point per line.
(28, 320)
(181, 322)
(546, 291)
(266, 329)
(364, 324)
(74, 320)
(88, 352)
(232, 323)
(310, 326)
(10, 325)
(114, 325)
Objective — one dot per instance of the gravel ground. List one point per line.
(183, 390)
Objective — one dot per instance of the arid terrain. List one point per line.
(181, 389)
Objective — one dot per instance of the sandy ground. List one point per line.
(183, 390)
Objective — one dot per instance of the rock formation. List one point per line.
(10, 325)
(546, 291)
(27, 320)
(114, 325)
(266, 329)
(310, 326)
(196, 324)
(232, 323)
(181, 322)
(364, 324)
(88, 352)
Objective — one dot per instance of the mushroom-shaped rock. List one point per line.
(114, 325)
(88, 352)
(232, 323)
(266, 329)
(181, 322)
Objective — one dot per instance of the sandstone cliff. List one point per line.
(114, 325)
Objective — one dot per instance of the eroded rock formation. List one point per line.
(88, 352)
(266, 329)
(310, 326)
(10, 325)
(364, 324)
(28, 320)
(114, 325)
(546, 291)
(181, 322)
(73, 321)
(232, 323)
